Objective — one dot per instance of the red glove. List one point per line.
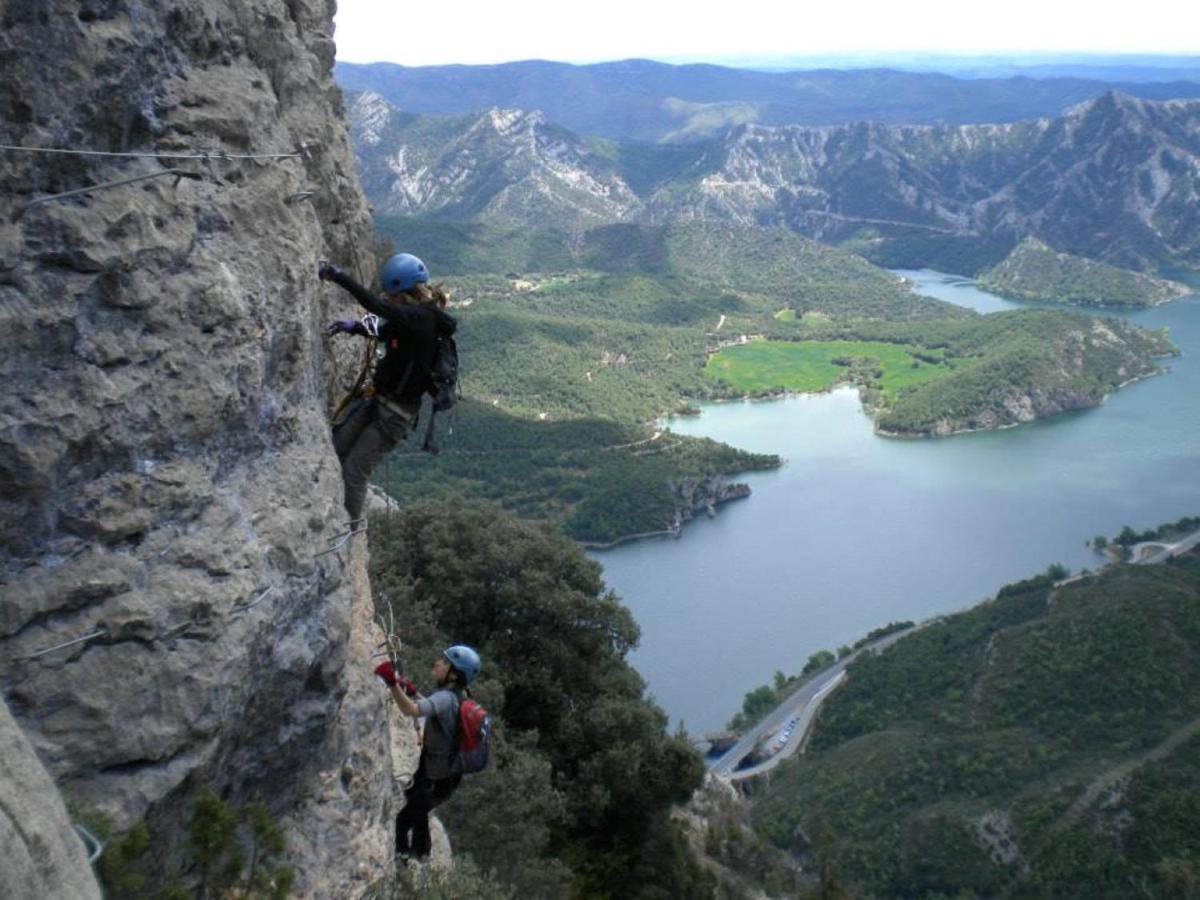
(385, 671)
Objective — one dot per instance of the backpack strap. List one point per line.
(430, 444)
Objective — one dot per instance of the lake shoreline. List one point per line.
(857, 530)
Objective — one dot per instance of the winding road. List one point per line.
(800, 708)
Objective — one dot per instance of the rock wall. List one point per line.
(167, 483)
(43, 856)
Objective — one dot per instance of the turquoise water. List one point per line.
(857, 530)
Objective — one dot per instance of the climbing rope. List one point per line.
(206, 156)
(94, 845)
(71, 643)
(368, 365)
(238, 610)
(358, 267)
(390, 646)
(166, 635)
(339, 540)
(178, 173)
(302, 152)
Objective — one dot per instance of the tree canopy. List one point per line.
(581, 746)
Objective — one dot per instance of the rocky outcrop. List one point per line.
(504, 165)
(716, 823)
(43, 856)
(1128, 163)
(702, 495)
(167, 483)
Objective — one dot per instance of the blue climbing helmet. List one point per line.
(401, 272)
(465, 660)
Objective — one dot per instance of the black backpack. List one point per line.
(443, 376)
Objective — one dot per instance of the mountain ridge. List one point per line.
(627, 99)
(1131, 165)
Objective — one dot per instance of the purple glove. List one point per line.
(326, 271)
(344, 326)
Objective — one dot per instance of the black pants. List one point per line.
(412, 823)
(364, 436)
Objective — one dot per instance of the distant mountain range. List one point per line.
(639, 100)
(1116, 178)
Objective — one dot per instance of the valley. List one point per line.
(753, 306)
(565, 368)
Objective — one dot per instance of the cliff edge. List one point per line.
(167, 483)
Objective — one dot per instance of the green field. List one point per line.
(761, 366)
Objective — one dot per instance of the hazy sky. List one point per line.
(472, 31)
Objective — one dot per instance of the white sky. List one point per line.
(487, 31)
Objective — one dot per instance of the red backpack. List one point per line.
(474, 733)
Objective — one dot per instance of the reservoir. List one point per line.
(855, 530)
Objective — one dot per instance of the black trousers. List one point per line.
(412, 823)
(364, 436)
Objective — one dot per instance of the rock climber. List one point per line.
(435, 779)
(408, 323)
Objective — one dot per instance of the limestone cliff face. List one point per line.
(504, 166)
(43, 856)
(167, 482)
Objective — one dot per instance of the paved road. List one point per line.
(1143, 554)
(799, 709)
(802, 707)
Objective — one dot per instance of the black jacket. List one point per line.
(410, 334)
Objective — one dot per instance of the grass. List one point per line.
(809, 366)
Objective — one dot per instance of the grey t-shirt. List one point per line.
(440, 710)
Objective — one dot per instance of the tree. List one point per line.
(822, 659)
(504, 819)
(554, 640)
(1057, 572)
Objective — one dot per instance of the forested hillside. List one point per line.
(574, 344)
(578, 800)
(565, 372)
(1033, 271)
(1047, 739)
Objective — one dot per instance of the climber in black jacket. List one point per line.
(408, 323)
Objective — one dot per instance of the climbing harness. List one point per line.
(368, 366)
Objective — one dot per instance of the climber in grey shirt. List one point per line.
(435, 779)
